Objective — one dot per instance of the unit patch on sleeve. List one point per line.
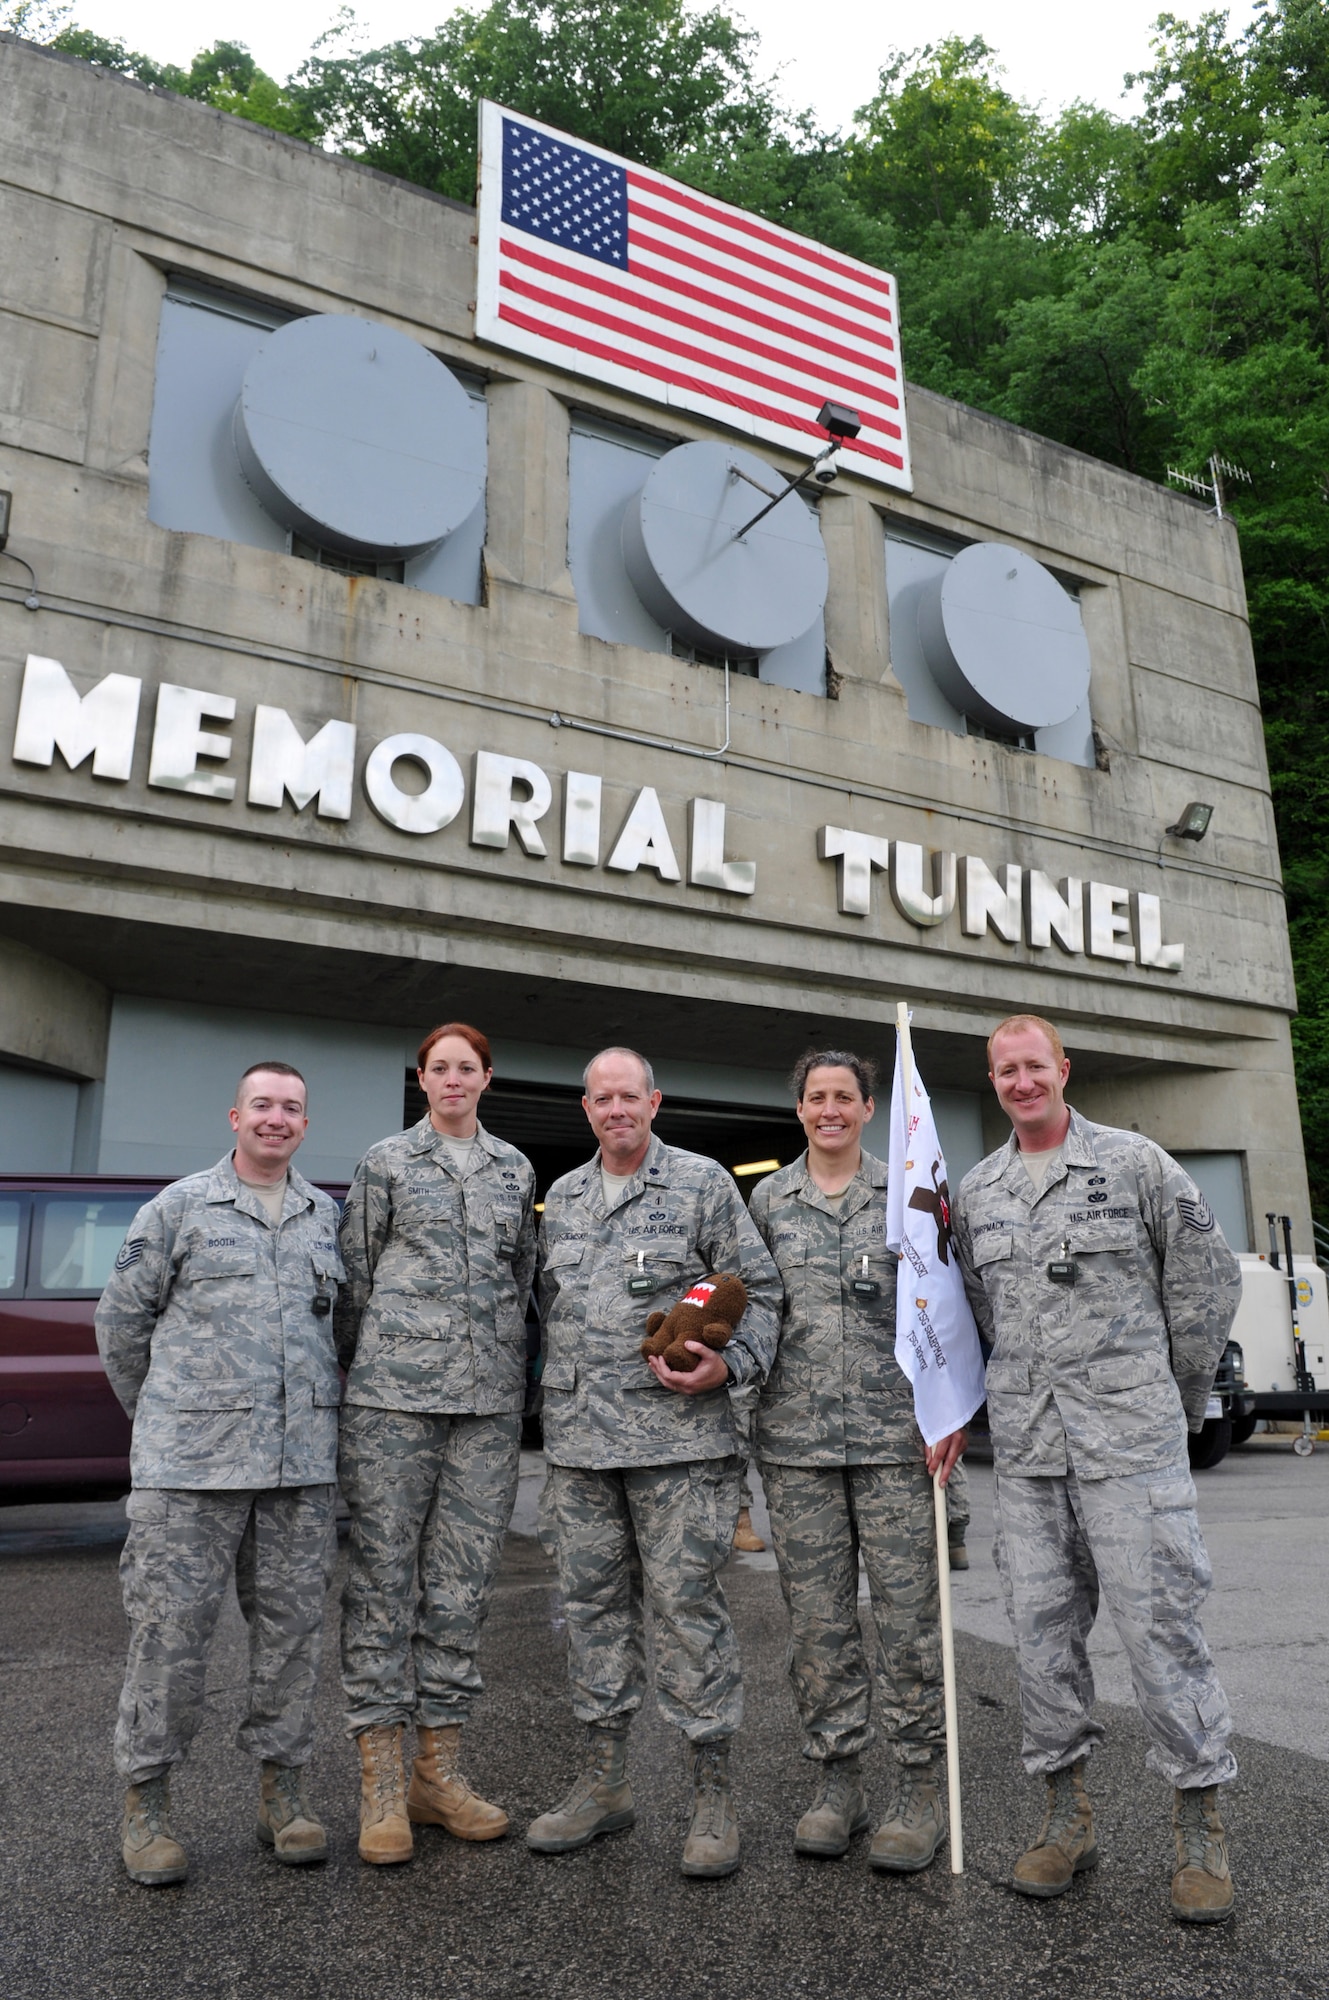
(1195, 1214)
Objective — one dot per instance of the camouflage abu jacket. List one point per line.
(836, 1395)
(216, 1333)
(601, 1274)
(438, 1267)
(1100, 1376)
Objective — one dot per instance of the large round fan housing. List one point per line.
(694, 573)
(1004, 640)
(359, 439)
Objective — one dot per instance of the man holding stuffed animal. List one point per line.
(642, 1493)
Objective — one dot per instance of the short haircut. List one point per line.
(647, 1072)
(271, 1069)
(479, 1042)
(1027, 1021)
(863, 1068)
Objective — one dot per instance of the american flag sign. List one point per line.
(617, 273)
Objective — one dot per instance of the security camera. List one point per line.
(826, 471)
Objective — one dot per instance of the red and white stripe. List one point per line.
(719, 313)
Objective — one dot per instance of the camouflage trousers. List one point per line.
(743, 1404)
(957, 1503)
(430, 1498)
(177, 1561)
(1058, 1542)
(658, 1533)
(822, 1519)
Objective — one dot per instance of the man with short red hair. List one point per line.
(1102, 1283)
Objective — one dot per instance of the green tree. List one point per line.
(942, 139)
(225, 76)
(1201, 123)
(645, 78)
(1073, 357)
(1242, 360)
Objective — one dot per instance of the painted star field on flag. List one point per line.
(564, 195)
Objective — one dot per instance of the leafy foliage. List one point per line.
(644, 78)
(1148, 289)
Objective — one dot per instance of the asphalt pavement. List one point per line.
(617, 1921)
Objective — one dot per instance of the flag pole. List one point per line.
(943, 1539)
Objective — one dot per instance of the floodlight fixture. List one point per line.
(839, 420)
(1193, 823)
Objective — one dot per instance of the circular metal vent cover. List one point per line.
(729, 596)
(1004, 640)
(358, 438)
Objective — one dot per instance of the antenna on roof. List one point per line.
(1211, 488)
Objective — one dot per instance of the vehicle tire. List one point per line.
(1210, 1446)
(1243, 1428)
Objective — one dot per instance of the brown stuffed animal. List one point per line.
(708, 1312)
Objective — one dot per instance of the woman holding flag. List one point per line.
(846, 1472)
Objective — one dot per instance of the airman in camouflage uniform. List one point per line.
(844, 1471)
(1107, 1294)
(216, 1333)
(431, 1328)
(642, 1492)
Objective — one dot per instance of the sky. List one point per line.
(1052, 55)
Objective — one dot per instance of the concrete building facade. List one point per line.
(258, 799)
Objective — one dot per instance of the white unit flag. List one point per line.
(936, 1341)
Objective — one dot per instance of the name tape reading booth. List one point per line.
(558, 614)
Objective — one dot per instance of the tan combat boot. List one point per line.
(1202, 1885)
(385, 1831)
(746, 1537)
(711, 1847)
(286, 1823)
(440, 1796)
(1065, 1846)
(151, 1852)
(838, 1810)
(600, 1801)
(911, 1833)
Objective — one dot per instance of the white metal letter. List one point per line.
(1147, 915)
(52, 716)
(858, 855)
(985, 901)
(440, 802)
(494, 810)
(644, 841)
(907, 892)
(178, 742)
(581, 819)
(1052, 913)
(1110, 923)
(281, 762)
(707, 868)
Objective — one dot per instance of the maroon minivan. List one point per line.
(60, 1423)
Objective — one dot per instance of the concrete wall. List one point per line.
(172, 1071)
(50, 1015)
(105, 188)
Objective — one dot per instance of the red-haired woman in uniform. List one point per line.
(438, 1237)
